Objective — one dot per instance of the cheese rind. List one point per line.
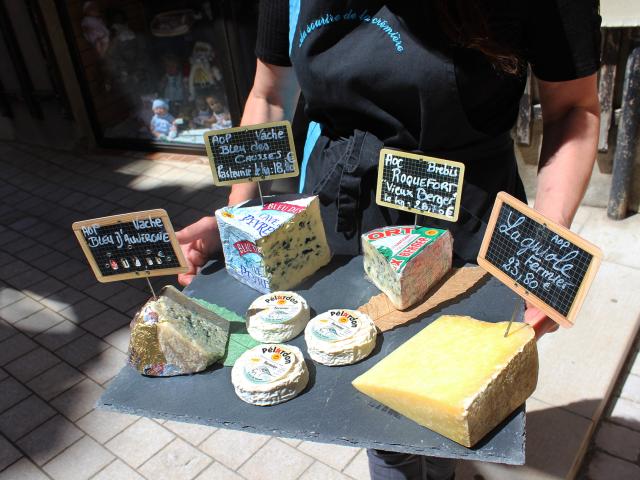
(273, 246)
(340, 337)
(277, 317)
(269, 374)
(405, 262)
(459, 376)
(171, 335)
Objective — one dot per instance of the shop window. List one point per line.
(161, 72)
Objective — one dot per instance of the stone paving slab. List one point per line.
(63, 336)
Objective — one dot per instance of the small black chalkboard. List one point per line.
(132, 245)
(419, 184)
(251, 153)
(540, 260)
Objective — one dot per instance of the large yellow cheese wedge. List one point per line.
(459, 376)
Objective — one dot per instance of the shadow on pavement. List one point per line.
(63, 335)
(555, 442)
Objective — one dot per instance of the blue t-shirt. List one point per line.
(162, 124)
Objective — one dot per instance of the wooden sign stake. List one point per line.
(260, 192)
(513, 317)
(153, 293)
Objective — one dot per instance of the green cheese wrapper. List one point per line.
(239, 340)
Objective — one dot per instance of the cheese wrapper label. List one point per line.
(337, 326)
(400, 245)
(268, 365)
(277, 308)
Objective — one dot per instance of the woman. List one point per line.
(439, 77)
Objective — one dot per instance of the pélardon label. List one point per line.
(267, 365)
(281, 299)
(338, 325)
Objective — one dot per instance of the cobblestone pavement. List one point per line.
(615, 451)
(63, 337)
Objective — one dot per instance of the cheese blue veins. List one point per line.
(273, 246)
(168, 338)
(405, 262)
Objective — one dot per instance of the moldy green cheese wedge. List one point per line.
(459, 376)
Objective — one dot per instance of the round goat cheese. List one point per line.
(269, 374)
(340, 337)
(277, 317)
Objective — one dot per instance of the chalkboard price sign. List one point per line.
(543, 262)
(419, 184)
(251, 153)
(133, 245)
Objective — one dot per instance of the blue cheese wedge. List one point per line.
(340, 337)
(277, 317)
(269, 374)
(405, 262)
(173, 335)
(273, 246)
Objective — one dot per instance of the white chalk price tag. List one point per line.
(543, 262)
(419, 184)
(251, 153)
(133, 245)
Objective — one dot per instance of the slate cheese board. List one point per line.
(329, 410)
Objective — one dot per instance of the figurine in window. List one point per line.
(202, 75)
(172, 83)
(202, 113)
(163, 124)
(123, 60)
(220, 115)
(94, 30)
(121, 31)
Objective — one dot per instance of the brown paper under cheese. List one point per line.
(458, 282)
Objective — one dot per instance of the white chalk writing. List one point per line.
(538, 261)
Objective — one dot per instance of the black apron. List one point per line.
(378, 74)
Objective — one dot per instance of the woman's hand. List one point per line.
(539, 321)
(199, 241)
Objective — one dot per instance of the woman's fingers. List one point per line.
(198, 242)
(197, 230)
(197, 258)
(184, 279)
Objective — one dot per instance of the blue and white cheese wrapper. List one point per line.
(273, 246)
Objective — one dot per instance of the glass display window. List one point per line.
(163, 72)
